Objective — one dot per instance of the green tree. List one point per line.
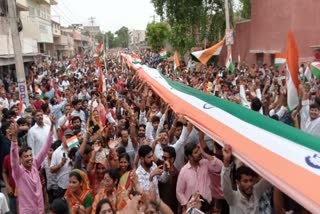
(99, 37)
(86, 33)
(246, 9)
(110, 39)
(122, 37)
(157, 35)
(192, 21)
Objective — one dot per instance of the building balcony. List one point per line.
(63, 48)
(51, 2)
(22, 5)
(62, 40)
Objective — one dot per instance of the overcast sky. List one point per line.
(109, 14)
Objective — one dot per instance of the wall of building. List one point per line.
(37, 22)
(271, 21)
(241, 48)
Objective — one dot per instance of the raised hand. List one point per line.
(227, 153)
(114, 143)
(13, 130)
(97, 147)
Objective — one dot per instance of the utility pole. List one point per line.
(226, 9)
(91, 20)
(12, 16)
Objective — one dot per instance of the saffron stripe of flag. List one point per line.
(176, 62)
(292, 72)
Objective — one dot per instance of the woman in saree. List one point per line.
(128, 180)
(111, 178)
(95, 124)
(78, 193)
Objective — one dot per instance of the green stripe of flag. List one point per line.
(252, 117)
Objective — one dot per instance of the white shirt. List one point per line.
(63, 173)
(37, 137)
(82, 116)
(144, 178)
(14, 103)
(65, 83)
(178, 146)
(4, 208)
(60, 121)
(150, 132)
(51, 177)
(129, 149)
(238, 203)
(308, 125)
(5, 102)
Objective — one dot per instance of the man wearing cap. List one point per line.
(61, 164)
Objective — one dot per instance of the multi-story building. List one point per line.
(137, 38)
(92, 30)
(64, 45)
(37, 24)
(28, 42)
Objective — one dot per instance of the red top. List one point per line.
(7, 166)
(37, 104)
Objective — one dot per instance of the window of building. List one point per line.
(260, 58)
(31, 11)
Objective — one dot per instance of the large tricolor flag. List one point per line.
(315, 69)
(209, 54)
(163, 53)
(279, 59)
(287, 157)
(292, 72)
(176, 62)
(229, 63)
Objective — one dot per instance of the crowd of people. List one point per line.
(78, 149)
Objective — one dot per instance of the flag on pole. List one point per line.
(189, 65)
(163, 53)
(135, 58)
(315, 69)
(229, 63)
(307, 74)
(99, 51)
(118, 58)
(20, 107)
(204, 56)
(99, 54)
(279, 59)
(292, 72)
(176, 62)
